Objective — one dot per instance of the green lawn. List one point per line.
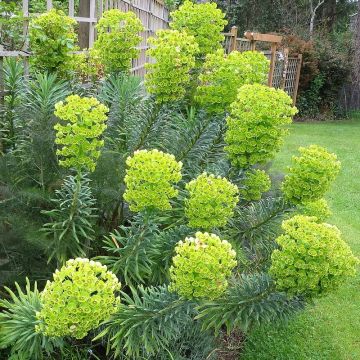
(331, 329)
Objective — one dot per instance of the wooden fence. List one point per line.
(153, 14)
(284, 72)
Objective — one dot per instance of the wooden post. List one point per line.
(297, 78)
(284, 73)
(272, 63)
(92, 23)
(49, 5)
(84, 11)
(233, 33)
(25, 10)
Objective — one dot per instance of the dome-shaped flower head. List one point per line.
(256, 182)
(201, 266)
(150, 180)
(312, 259)
(211, 201)
(82, 294)
(311, 174)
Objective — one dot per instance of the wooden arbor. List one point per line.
(284, 71)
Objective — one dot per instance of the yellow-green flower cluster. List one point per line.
(256, 182)
(201, 266)
(118, 37)
(82, 295)
(318, 208)
(311, 174)
(211, 201)
(223, 75)
(204, 21)
(52, 38)
(174, 54)
(256, 124)
(79, 133)
(312, 259)
(150, 178)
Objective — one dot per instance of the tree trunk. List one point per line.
(313, 11)
(84, 11)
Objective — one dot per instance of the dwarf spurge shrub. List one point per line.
(312, 259)
(82, 294)
(223, 75)
(150, 180)
(201, 266)
(318, 208)
(204, 21)
(52, 38)
(256, 182)
(118, 36)
(311, 174)
(211, 201)
(256, 124)
(174, 54)
(79, 133)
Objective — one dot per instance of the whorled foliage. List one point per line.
(82, 294)
(311, 174)
(117, 39)
(201, 266)
(312, 259)
(174, 53)
(204, 21)
(150, 180)
(223, 75)
(52, 38)
(256, 124)
(211, 201)
(79, 133)
(256, 183)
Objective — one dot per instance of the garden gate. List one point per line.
(284, 71)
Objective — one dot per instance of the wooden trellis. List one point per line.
(284, 71)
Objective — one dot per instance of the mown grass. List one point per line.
(331, 329)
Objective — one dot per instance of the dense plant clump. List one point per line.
(79, 133)
(117, 39)
(256, 183)
(256, 124)
(113, 183)
(169, 76)
(224, 74)
(312, 259)
(82, 294)
(150, 180)
(318, 208)
(204, 21)
(311, 174)
(211, 201)
(52, 38)
(201, 266)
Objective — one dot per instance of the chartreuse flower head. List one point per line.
(174, 54)
(312, 259)
(201, 266)
(80, 131)
(256, 182)
(223, 75)
(255, 126)
(311, 174)
(118, 37)
(211, 201)
(204, 21)
(82, 295)
(318, 208)
(150, 178)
